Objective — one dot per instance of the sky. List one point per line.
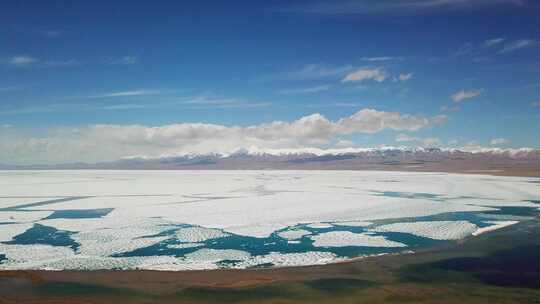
(92, 81)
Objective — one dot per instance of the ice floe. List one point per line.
(293, 234)
(290, 259)
(438, 230)
(107, 242)
(33, 256)
(199, 234)
(494, 226)
(347, 238)
(217, 255)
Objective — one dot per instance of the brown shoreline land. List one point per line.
(381, 279)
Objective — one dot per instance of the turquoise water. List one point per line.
(40, 234)
(79, 214)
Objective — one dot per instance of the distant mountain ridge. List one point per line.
(388, 158)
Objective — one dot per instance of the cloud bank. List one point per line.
(107, 142)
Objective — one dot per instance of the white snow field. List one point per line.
(181, 220)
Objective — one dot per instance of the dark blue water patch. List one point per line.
(2, 258)
(41, 234)
(43, 203)
(79, 214)
(517, 267)
(411, 195)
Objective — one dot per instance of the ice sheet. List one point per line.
(8, 231)
(22, 216)
(150, 205)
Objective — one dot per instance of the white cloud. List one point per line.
(425, 142)
(22, 61)
(62, 63)
(11, 89)
(406, 138)
(310, 72)
(27, 61)
(493, 42)
(382, 58)
(431, 142)
(405, 76)
(499, 141)
(463, 95)
(343, 143)
(310, 90)
(347, 7)
(449, 109)
(376, 74)
(131, 93)
(126, 60)
(518, 44)
(110, 142)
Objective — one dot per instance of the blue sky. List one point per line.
(469, 70)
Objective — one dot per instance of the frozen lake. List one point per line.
(182, 220)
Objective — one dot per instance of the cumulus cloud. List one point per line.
(499, 141)
(376, 74)
(463, 95)
(96, 143)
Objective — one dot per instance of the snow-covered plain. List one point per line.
(180, 220)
